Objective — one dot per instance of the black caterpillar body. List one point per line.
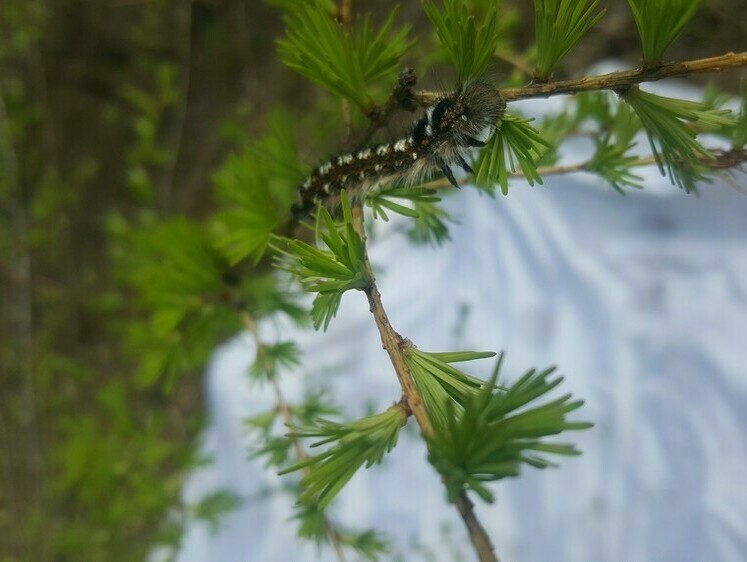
(439, 140)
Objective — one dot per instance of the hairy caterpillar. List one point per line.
(438, 141)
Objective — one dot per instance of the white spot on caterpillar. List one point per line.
(306, 184)
(400, 146)
(325, 188)
(377, 168)
(345, 159)
(464, 117)
(414, 155)
(429, 113)
(428, 130)
(383, 149)
(324, 168)
(343, 179)
(361, 175)
(363, 154)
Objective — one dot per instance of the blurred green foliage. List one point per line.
(93, 457)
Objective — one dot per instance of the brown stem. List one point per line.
(393, 344)
(285, 412)
(620, 80)
(477, 534)
(391, 341)
(624, 79)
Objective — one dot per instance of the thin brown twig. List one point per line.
(620, 80)
(477, 534)
(391, 341)
(722, 160)
(285, 412)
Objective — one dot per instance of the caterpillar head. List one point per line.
(479, 107)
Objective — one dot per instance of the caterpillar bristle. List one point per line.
(438, 140)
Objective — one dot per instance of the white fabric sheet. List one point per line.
(640, 300)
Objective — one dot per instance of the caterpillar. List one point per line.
(437, 141)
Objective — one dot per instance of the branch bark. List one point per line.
(619, 80)
(392, 343)
(391, 340)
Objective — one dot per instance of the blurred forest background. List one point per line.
(115, 114)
